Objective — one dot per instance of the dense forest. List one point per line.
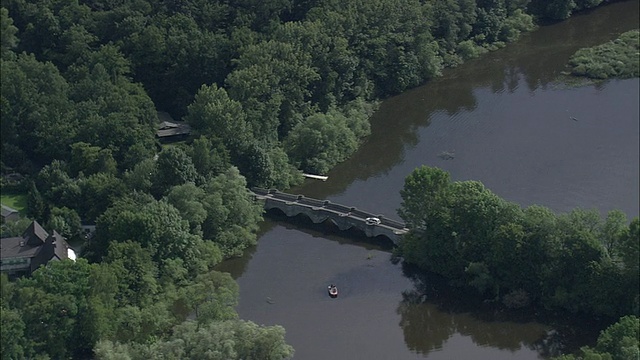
(269, 88)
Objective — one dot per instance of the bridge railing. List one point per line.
(328, 205)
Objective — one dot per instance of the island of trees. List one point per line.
(576, 263)
(270, 89)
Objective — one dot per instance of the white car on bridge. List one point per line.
(372, 221)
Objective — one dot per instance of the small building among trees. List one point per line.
(22, 255)
(170, 130)
(9, 214)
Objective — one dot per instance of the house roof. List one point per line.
(61, 247)
(171, 129)
(168, 127)
(10, 248)
(6, 211)
(35, 234)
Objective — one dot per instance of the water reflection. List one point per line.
(432, 313)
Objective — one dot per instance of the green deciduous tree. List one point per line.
(135, 273)
(321, 141)
(617, 342)
(66, 222)
(37, 115)
(156, 225)
(58, 309)
(232, 215)
(174, 168)
(187, 199)
(13, 341)
(98, 193)
(233, 339)
(214, 115)
(8, 38)
(210, 157)
(90, 160)
(271, 81)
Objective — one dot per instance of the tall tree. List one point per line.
(8, 38)
(271, 81)
(174, 168)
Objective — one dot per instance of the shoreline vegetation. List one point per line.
(269, 89)
(619, 58)
(575, 263)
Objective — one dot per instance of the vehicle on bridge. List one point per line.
(372, 221)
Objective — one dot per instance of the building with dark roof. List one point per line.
(9, 214)
(22, 255)
(170, 130)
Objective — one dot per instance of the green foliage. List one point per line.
(66, 222)
(233, 339)
(616, 59)
(617, 342)
(267, 167)
(57, 311)
(321, 141)
(36, 207)
(187, 199)
(91, 160)
(36, 112)
(142, 176)
(214, 115)
(575, 261)
(135, 273)
(324, 140)
(15, 228)
(552, 10)
(12, 336)
(210, 297)
(210, 157)
(621, 339)
(8, 38)
(174, 167)
(271, 81)
(156, 225)
(232, 215)
(15, 201)
(97, 193)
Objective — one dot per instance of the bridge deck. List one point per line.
(326, 205)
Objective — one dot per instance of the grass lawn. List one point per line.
(16, 201)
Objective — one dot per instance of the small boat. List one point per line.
(333, 291)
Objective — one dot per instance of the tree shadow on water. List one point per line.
(433, 312)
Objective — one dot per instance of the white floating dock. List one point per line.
(317, 177)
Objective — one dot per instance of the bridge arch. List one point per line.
(320, 211)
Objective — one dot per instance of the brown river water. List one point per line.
(505, 121)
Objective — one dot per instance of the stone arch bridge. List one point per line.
(345, 217)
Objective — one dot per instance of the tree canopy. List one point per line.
(577, 262)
